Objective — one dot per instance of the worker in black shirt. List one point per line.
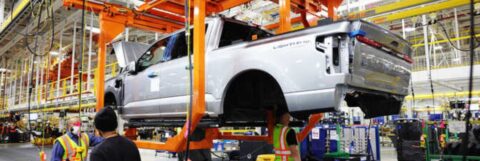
(285, 142)
(114, 147)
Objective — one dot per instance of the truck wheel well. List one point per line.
(110, 99)
(249, 95)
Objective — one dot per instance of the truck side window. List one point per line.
(170, 48)
(234, 33)
(154, 55)
(178, 48)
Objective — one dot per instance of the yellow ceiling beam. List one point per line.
(442, 95)
(437, 34)
(436, 109)
(420, 10)
(444, 41)
(18, 9)
(387, 8)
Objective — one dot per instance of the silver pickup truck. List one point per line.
(250, 71)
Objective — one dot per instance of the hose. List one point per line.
(470, 81)
(190, 78)
(80, 71)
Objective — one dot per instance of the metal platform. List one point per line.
(64, 103)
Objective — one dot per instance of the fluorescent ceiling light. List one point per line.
(54, 53)
(409, 29)
(93, 29)
(438, 47)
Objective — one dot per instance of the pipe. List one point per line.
(73, 56)
(59, 62)
(89, 65)
(457, 35)
(22, 71)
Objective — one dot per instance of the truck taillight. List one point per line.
(369, 42)
(378, 45)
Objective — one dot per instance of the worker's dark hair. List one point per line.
(106, 120)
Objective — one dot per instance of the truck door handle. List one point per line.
(152, 75)
(118, 83)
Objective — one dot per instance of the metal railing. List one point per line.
(442, 61)
(57, 91)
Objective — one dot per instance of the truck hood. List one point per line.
(127, 52)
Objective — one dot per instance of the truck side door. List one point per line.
(174, 80)
(143, 86)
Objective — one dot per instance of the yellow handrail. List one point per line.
(442, 95)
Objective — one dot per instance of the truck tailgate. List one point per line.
(381, 60)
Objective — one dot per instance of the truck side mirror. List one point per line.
(131, 68)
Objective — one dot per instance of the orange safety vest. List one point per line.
(72, 150)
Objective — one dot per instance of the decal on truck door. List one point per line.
(155, 85)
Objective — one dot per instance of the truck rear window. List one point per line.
(234, 33)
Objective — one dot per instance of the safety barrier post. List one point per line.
(108, 31)
(114, 70)
(64, 87)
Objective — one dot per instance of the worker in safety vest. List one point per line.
(285, 142)
(73, 146)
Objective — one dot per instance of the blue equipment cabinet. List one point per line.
(353, 141)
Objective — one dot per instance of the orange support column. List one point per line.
(305, 22)
(198, 62)
(312, 121)
(270, 125)
(177, 143)
(131, 133)
(108, 31)
(285, 24)
(331, 10)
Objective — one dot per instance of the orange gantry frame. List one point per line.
(167, 16)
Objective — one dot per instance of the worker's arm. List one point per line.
(57, 152)
(293, 145)
(295, 153)
(94, 140)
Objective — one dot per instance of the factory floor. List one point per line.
(28, 152)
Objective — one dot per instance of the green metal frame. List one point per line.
(430, 156)
(454, 157)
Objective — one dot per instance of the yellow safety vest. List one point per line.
(72, 151)
(280, 145)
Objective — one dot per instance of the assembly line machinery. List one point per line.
(163, 16)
